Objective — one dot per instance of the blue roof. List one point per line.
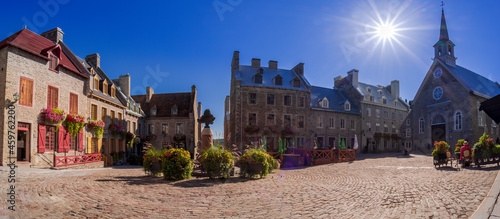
(336, 99)
(246, 73)
(378, 92)
(474, 81)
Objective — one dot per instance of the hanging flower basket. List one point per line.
(115, 129)
(287, 131)
(98, 126)
(252, 129)
(178, 138)
(377, 135)
(75, 123)
(52, 115)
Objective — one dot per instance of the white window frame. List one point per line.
(408, 132)
(421, 123)
(342, 123)
(347, 106)
(368, 112)
(331, 123)
(458, 119)
(319, 122)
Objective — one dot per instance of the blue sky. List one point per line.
(171, 45)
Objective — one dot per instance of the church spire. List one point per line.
(443, 34)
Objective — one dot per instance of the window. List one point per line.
(393, 116)
(270, 99)
(353, 124)
(408, 132)
(50, 138)
(26, 92)
(174, 110)
(368, 112)
(300, 142)
(368, 89)
(96, 84)
(112, 117)
(252, 119)
(113, 91)
(421, 125)
(377, 111)
(377, 127)
(93, 112)
(53, 62)
(120, 118)
(369, 126)
(372, 99)
(480, 116)
(384, 101)
(493, 123)
(53, 97)
(301, 101)
(386, 114)
(258, 79)
(164, 128)
(151, 128)
(278, 80)
(408, 122)
(104, 115)
(270, 119)
(252, 98)
(73, 142)
(386, 128)
(319, 122)
(324, 102)
(319, 142)
(179, 128)
(347, 106)
(296, 83)
(133, 127)
(300, 121)
(73, 103)
(437, 93)
(105, 87)
(287, 100)
(331, 123)
(287, 120)
(342, 123)
(153, 112)
(331, 142)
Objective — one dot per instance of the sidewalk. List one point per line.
(490, 207)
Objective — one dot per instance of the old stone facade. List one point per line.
(273, 103)
(446, 106)
(382, 110)
(172, 119)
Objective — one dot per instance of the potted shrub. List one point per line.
(152, 161)
(75, 123)
(458, 145)
(217, 162)
(97, 126)
(483, 151)
(256, 162)
(176, 164)
(439, 152)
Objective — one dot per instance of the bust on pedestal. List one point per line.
(206, 134)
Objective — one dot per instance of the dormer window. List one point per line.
(347, 106)
(379, 91)
(53, 62)
(174, 111)
(384, 100)
(96, 83)
(153, 111)
(296, 82)
(368, 89)
(278, 80)
(257, 79)
(324, 103)
(113, 91)
(105, 87)
(371, 98)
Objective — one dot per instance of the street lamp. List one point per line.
(16, 97)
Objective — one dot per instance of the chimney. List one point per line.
(199, 110)
(337, 81)
(299, 69)
(149, 94)
(354, 73)
(235, 63)
(255, 63)
(124, 83)
(193, 89)
(395, 88)
(273, 64)
(94, 60)
(55, 35)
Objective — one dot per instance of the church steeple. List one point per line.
(444, 49)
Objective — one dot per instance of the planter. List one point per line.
(255, 169)
(219, 173)
(494, 159)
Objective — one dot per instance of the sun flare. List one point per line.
(385, 31)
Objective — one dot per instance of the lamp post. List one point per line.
(16, 97)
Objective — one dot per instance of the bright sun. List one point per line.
(385, 31)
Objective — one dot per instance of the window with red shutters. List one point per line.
(73, 103)
(50, 138)
(73, 142)
(53, 97)
(41, 138)
(26, 92)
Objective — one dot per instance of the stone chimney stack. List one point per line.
(94, 60)
(255, 63)
(199, 110)
(395, 89)
(354, 73)
(337, 81)
(273, 64)
(124, 83)
(235, 63)
(299, 69)
(55, 35)
(193, 89)
(149, 94)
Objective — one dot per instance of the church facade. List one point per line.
(446, 106)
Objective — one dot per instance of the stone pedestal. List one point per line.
(206, 138)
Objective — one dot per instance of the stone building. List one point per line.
(446, 106)
(45, 73)
(279, 103)
(382, 110)
(172, 118)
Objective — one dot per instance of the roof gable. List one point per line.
(246, 74)
(474, 82)
(336, 100)
(165, 102)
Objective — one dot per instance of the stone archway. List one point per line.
(438, 128)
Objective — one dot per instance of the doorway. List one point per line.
(438, 129)
(23, 142)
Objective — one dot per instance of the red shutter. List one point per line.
(41, 138)
(66, 140)
(80, 141)
(60, 143)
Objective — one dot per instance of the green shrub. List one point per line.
(176, 164)
(256, 156)
(459, 144)
(152, 157)
(441, 148)
(217, 162)
(496, 149)
(483, 148)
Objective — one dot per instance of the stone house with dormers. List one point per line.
(446, 106)
(273, 103)
(382, 110)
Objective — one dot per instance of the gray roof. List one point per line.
(384, 92)
(245, 74)
(336, 99)
(474, 81)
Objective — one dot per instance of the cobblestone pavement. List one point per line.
(376, 186)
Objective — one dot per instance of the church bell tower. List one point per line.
(444, 49)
